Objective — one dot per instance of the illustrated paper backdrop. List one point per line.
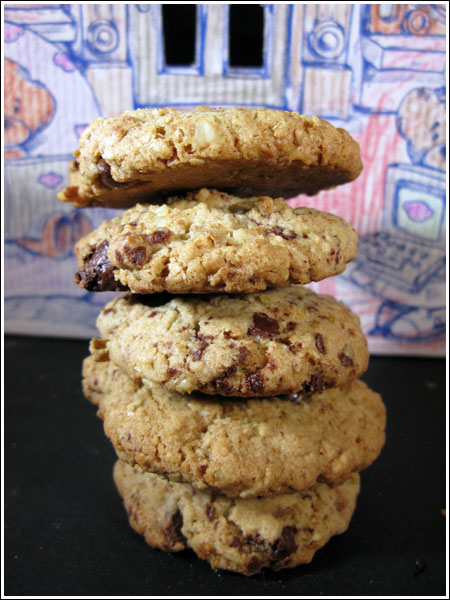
(376, 70)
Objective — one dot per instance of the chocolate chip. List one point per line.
(320, 344)
(236, 542)
(264, 326)
(222, 385)
(198, 353)
(254, 565)
(171, 371)
(137, 256)
(97, 274)
(211, 512)
(243, 353)
(291, 326)
(346, 361)
(317, 384)
(105, 175)
(158, 237)
(253, 279)
(256, 382)
(103, 168)
(285, 545)
(287, 235)
(173, 530)
(204, 337)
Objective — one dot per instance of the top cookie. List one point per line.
(250, 151)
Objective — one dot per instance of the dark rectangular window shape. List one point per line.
(179, 32)
(246, 36)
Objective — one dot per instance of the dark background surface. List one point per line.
(66, 532)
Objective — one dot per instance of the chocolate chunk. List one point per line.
(103, 168)
(173, 530)
(243, 353)
(254, 565)
(317, 384)
(97, 274)
(256, 382)
(198, 353)
(159, 237)
(346, 361)
(222, 385)
(320, 344)
(105, 175)
(137, 256)
(285, 545)
(211, 512)
(287, 235)
(264, 326)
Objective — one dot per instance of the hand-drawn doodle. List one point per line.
(29, 107)
(421, 120)
(378, 70)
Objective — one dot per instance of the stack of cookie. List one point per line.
(229, 391)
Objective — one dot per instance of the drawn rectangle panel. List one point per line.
(403, 46)
(247, 40)
(327, 76)
(210, 79)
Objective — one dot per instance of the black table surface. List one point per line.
(66, 532)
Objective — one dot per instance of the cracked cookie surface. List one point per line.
(280, 341)
(243, 535)
(248, 151)
(211, 242)
(240, 448)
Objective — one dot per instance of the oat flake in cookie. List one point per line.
(240, 448)
(212, 242)
(249, 151)
(243, 535)
(281, 341)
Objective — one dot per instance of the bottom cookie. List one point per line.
(242, 535)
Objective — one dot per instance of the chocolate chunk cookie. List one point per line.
(240, 448)
(281, 341)
(249, 151)
(212, 242)
(243, 535)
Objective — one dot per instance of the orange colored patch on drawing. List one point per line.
(60, 233)
(29, 105)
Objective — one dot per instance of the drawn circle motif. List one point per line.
(418, 22)
(328, 40)
(103, 36)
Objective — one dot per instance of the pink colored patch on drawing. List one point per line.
(418, 211)
(79, 129)
(63, 61)
(12, 32)
(50, 180)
